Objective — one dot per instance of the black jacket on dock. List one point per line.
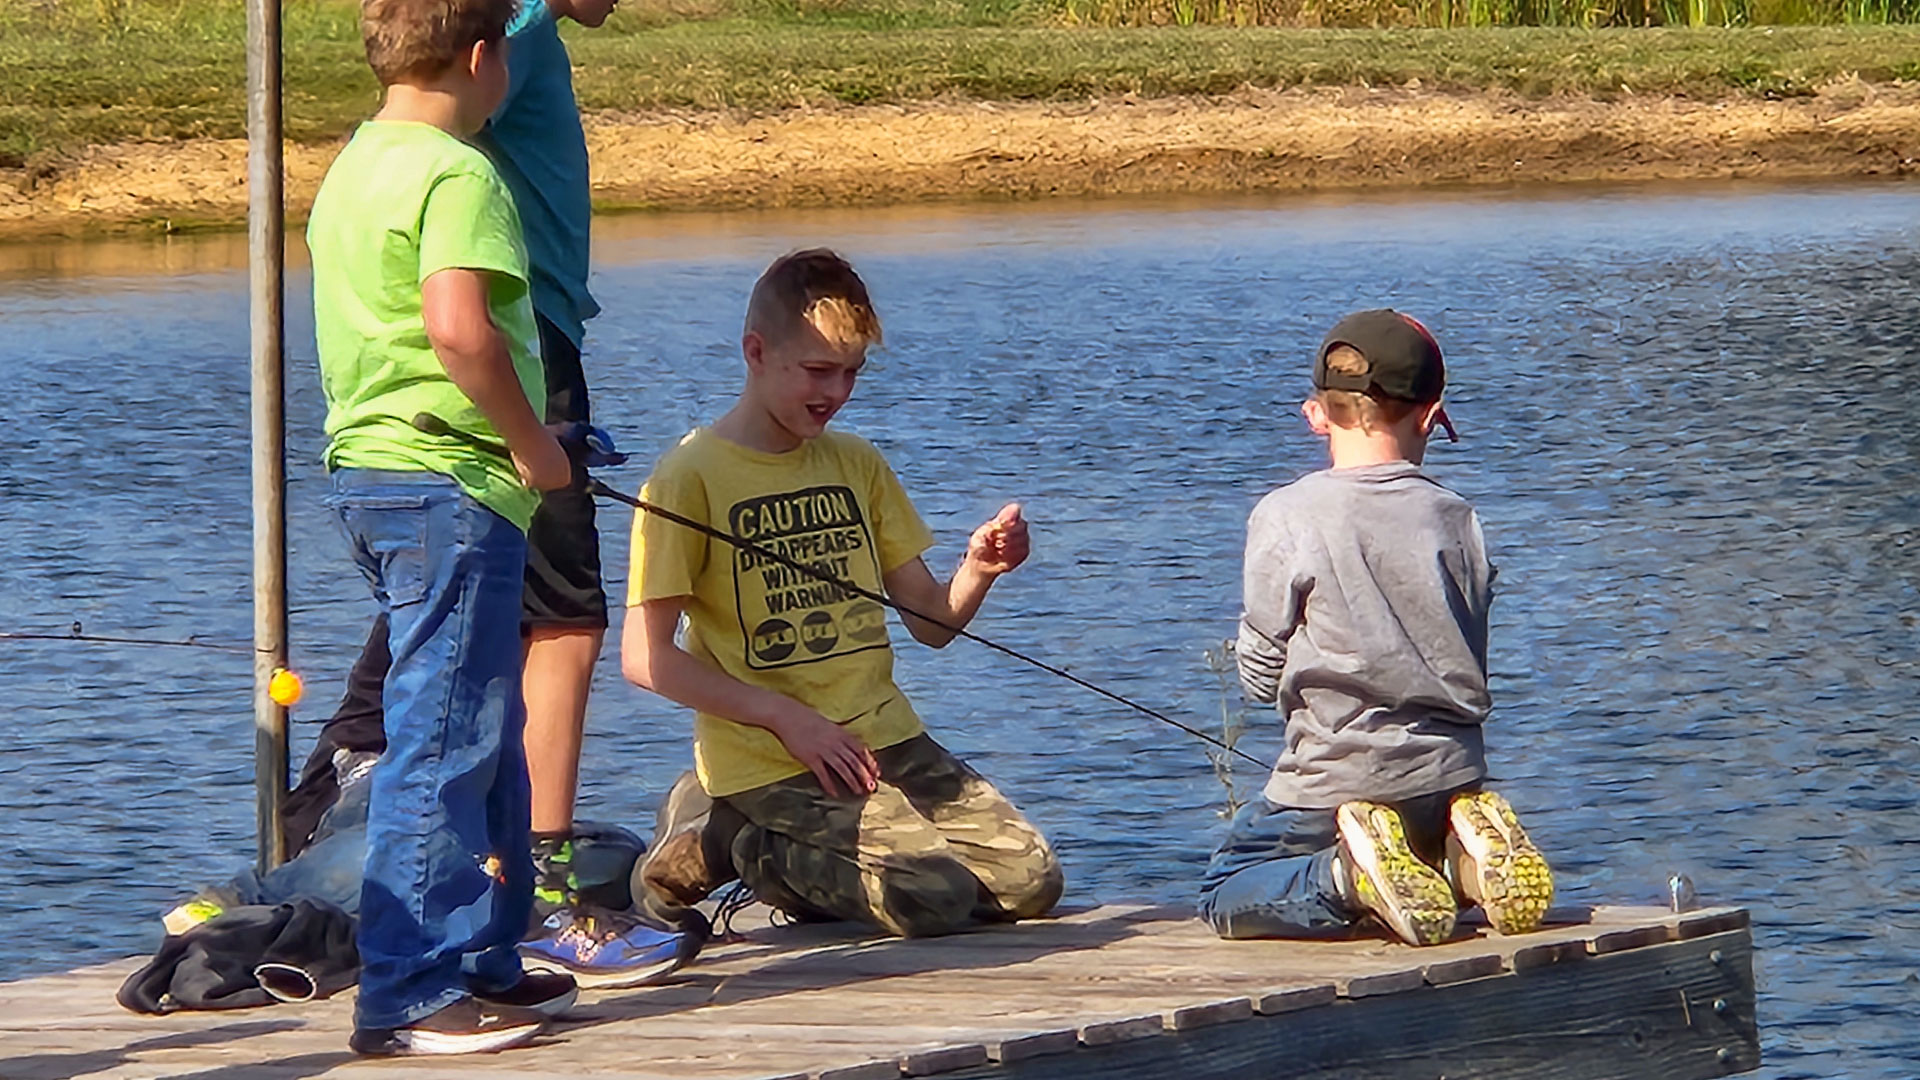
(249, 956)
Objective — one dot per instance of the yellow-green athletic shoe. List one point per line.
(201, 908)
(1495, 865)
(1409, 896)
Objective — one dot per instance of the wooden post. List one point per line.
(266, 239)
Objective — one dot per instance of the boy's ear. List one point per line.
(754, 348)
(1435, 415)
(1316, 414)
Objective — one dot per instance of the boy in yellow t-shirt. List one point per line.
(816, 783)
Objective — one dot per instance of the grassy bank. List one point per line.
(80, 72)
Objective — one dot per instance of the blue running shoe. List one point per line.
(608, 950)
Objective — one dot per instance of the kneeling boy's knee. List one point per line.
(1035, 885)
(931, 898)
(1221, 922)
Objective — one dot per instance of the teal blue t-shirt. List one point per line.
(536, 141)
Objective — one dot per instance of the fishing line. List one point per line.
(434, 425)
(106, 639)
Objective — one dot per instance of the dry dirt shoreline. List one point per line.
(1252, 141)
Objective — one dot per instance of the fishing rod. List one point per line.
(434, 425)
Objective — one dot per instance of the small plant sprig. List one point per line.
(1233, 720)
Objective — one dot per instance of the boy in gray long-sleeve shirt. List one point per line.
(1367, 589)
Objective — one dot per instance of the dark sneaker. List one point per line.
(1495, 865)
(552, 876)
(688, 858)
(610, 950)
(1387, 879)
(550, 994)
(464, 1027)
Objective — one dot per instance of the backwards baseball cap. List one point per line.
(1400, 360)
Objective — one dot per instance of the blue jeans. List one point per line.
(1273, 874)
(449, 795)
(332, 866)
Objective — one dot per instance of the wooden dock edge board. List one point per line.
(1295, 998)
(1037, 1044)
(1448, 972)
(943, 1059)
(1207, 1014)
(1680, 1009)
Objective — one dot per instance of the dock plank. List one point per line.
(1124, 991)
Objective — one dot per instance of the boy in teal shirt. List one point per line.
(420, 286)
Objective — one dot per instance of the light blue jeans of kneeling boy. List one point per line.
(1273, 874)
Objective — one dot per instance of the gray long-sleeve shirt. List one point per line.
(1367, 592)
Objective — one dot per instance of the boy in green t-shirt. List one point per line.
(421, 306)
(816, 783)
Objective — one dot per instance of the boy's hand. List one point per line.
(1001, 544)
(544, 465)
(591, 446)
(843, 764)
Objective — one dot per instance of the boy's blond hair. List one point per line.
(420, 39)
(815, 288)
(1350, 408)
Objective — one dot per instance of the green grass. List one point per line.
(78, 72)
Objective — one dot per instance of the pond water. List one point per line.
(1686, 419)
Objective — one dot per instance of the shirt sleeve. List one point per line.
(899, 533)
(667, 557)
(533, 15)
(1260, 661)
(469, 223)
(1490, 570)
(1272, 608)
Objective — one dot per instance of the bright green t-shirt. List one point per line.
(402, 202)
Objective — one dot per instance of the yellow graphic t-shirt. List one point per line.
(833, 504)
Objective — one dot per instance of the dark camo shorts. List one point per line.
(934, 849)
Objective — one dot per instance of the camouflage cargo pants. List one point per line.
(933, 850)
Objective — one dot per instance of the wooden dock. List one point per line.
(1114, 992)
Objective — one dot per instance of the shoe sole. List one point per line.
(1512, 879)
(590, 979)
(1414, 901)
(415, 1042)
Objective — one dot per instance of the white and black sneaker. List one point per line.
(465, 1027)
(549, 993)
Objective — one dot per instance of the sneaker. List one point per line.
(1495, 865)
(202, 908)
(550, 994)
(464, 1027)
(684, 864)
(1384, 877)
(593, 865)
(609, 950)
